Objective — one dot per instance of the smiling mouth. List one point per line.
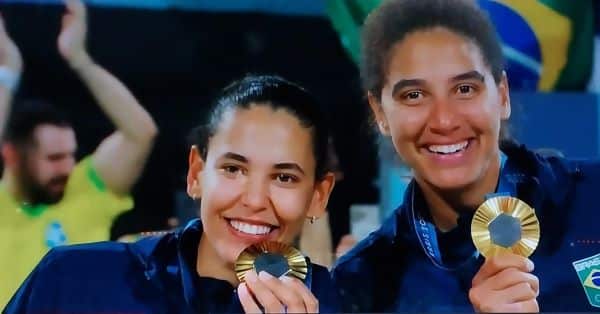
(448, 149)
(249, 228)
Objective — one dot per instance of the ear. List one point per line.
(196, 166)
(377, 110)
(9, 154)
(504, 97)
(321, 195)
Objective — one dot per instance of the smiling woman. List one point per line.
(433, 74)
(259, 167)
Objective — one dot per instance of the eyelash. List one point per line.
(231, 169)
(470, 87)
(417, 93)
(290, 177)
(406, 95)
(234, 170)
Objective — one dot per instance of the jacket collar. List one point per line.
(169, 263)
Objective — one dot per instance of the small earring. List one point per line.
(312, 219)
(195, 195)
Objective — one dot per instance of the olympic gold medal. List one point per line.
(505, 224)
(276, 258)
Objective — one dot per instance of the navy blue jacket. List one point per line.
(153, 275)
(390, 272)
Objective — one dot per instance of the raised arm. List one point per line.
(120, 158)
(11, 65)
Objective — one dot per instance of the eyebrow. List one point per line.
(289, 166)
(471, 75)
(234, 156)
(278, 166)
(407, 82)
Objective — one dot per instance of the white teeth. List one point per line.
(249, 228)
(448, 149)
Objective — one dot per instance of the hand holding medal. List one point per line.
(505, 230)
(275, 258)
(271, 276)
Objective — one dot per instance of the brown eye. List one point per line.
(231, 169)
(413, 95)
(464, 89)
(286, 178)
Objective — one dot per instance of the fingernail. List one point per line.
(265, 275)
(286, 278)
(530, 265)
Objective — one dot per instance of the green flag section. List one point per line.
(548, 44)
(577, 71)
(347, 17)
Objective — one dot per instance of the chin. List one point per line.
(230, 253)
(451, 179)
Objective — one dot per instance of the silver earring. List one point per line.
(312, 219)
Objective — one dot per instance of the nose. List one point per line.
(256, 195)
(443, 118)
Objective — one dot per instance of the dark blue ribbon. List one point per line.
(425, 230)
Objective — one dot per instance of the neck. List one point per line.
(9, 181)
(445, 205)
(209, 264)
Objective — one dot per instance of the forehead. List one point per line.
(432, 54)
(54, 139)
(263, 135)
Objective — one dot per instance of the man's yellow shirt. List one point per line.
(85, 214)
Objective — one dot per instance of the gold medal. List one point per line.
(505, 224)
(276, 258)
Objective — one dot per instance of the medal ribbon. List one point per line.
(425, 230)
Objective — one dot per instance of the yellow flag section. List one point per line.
(553, 32)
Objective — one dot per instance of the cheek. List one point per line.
(406, 120)
(291, 206)
(218, 193)
(41, 170)
(71, 162)
(406, 125)
(484, 118)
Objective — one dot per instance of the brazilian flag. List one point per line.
(548, 44)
